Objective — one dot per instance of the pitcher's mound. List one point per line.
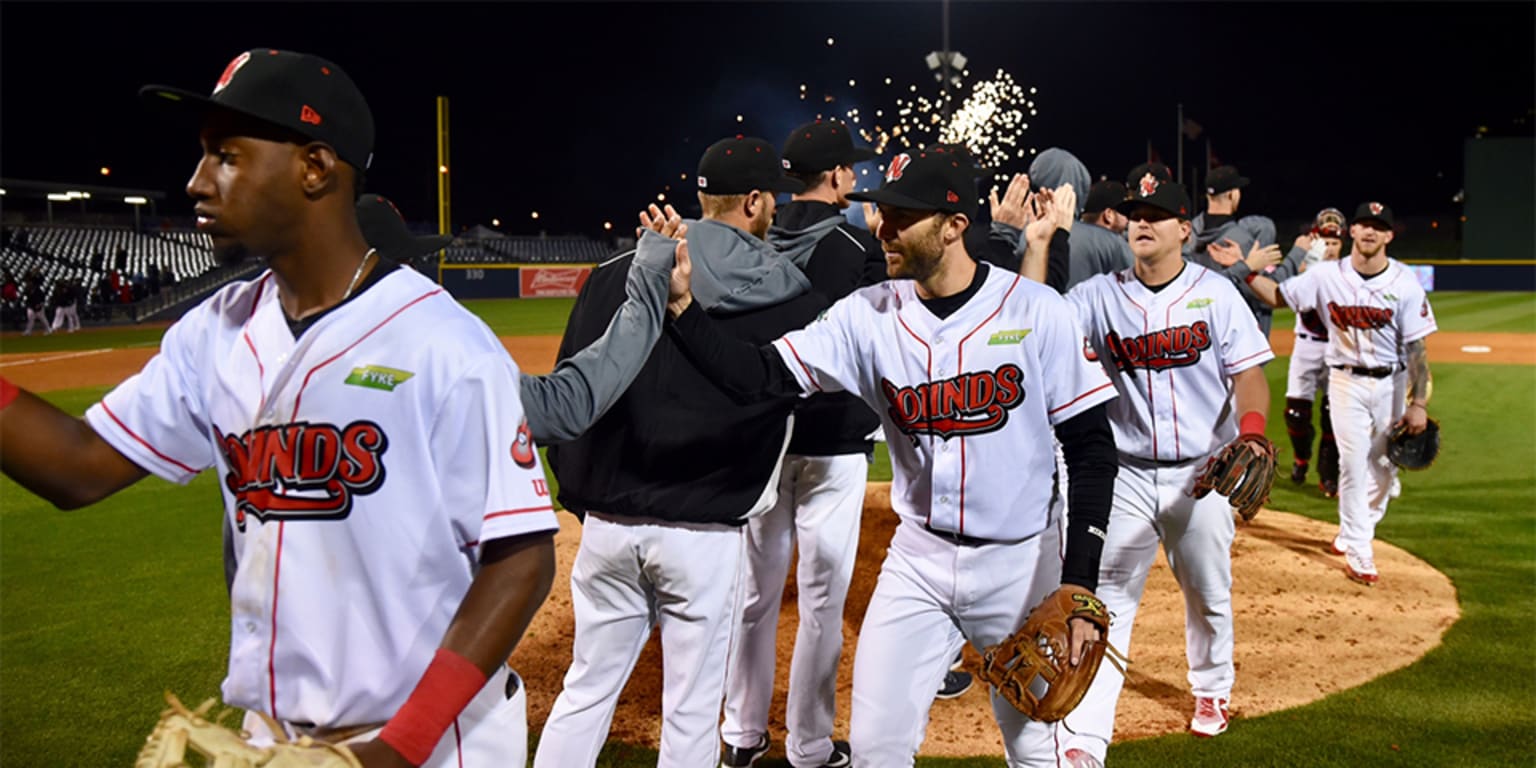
(1303, 631)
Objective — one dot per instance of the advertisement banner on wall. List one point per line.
(542, 282)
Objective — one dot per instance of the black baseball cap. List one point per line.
(936, 179)
(1224, 178)
(384, 228)
(821, 146)
(1159, 172)
(965, 156)
(302, 93)
(1105, 194)
(741, 164)
(1166, 195)
(1373, 211)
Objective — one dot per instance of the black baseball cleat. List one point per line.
(841, 757)
(1330, 488)
(955, 683)
(742, 757)
(1299, 472)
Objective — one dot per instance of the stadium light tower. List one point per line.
(947, 65)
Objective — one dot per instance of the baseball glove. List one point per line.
(1032, 668)
(181, 729)
(1243, 472)
(1415, 451)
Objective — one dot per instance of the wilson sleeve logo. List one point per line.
(1160, 350)
(968, 404)
(1355, 316)
(303, 470)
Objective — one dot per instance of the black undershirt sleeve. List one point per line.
(1088, 445)
(1058, 264)
(745, 372)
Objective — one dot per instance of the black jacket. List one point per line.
(842, 259)
(674, 447)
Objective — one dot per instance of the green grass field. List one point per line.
(103, 608)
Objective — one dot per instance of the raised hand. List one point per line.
(1012, 208)
(665, 222)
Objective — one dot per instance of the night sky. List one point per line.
(585, 111)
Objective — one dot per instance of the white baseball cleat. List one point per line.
(1337, 547)
(1360, 567)
(1210, 717)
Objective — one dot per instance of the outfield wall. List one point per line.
(513, 281)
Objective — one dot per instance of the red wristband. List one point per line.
(1252, 423)
(8, 392)
(442, 693)
(1250, 277)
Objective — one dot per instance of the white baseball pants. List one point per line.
(630, 575)
(1307, 373)
(821, 499)
(931, 592)
(1152, 504)
(1363, 409)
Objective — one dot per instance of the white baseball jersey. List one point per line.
(395, 455)
(1368, 321)
(1176, 351)
(967, 402)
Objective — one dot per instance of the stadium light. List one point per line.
(495, 222)
(105, 171)
(2, 192)
(135, 200)
(58, 197)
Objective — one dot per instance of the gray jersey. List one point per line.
(1096, 251)
(1244, 232)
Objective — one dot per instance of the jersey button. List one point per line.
(944, 499)
(250, 626)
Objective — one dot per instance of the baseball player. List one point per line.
(970, 368)
(1220, 224)
(36, 300)
(1378, 317)
(821, 484)
(66, 314)
(1181, 349)
(1307, 374)
(668, 478)
(392, 522)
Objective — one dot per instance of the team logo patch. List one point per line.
(968, 404)
(1147, 187)
(1376, 208)
(1362, 317)
(898, 166)
(303, 470)
(523, 453)
(1088, 353)
(229, 71)
(1008, 337)
(1424, 308)
(1198, 304)
(703, 183)
(377, 377)
(1160, 350)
